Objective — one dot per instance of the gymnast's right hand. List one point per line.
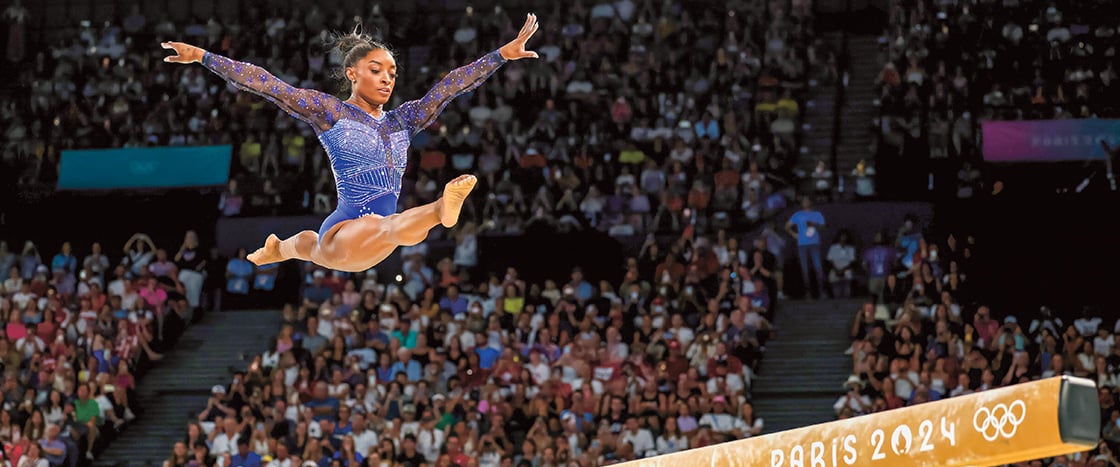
(184, 53)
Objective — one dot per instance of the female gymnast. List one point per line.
(367, 147)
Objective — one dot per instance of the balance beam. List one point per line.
(1059, 415)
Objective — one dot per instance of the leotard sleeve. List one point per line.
(317, 108)
(418, 114)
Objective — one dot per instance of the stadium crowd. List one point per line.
(925, 334)
(646, 118)
(627, 134)
(636, 110)
(79, 331)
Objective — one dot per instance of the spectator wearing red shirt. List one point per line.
(986, 327)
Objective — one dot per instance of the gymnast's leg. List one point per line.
(412, 226)
(359, 244)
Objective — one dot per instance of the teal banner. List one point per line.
(158, 167)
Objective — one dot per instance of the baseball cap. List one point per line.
(218, 389)
(719, 400)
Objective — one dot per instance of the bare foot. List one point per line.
(454, 194)
(269, 253)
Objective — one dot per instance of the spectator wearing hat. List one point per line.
(853, 399)
(720, 420)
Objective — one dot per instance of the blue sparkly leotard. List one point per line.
(368, 155)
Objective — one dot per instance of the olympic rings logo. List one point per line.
(1001, 420)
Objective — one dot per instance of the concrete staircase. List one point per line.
(820, 103)
(859, 108)
(805, 366)
(177, 388)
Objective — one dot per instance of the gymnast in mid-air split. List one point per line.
(367, 146)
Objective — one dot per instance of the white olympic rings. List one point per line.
(1001, 420)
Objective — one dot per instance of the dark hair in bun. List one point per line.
(353, 46)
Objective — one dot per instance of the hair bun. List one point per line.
(348, 42)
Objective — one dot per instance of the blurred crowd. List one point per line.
(949, 66)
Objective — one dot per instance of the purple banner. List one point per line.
(1048, 140)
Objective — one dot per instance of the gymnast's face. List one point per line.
(373, 77)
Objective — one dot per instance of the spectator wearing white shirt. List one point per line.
(853, 400)
(751, 425)
(905, 379)
(224, 440)
(724, 381)
(364, 437)
(1046, 320)
(640, 438)
(1103, 343)
(719, 420)
(429, 439)
(1087, 325)
(841, 257)
(538, 368)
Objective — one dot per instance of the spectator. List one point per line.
(245, 457)
(841, 258)
(878, 262)
(808, 222)
(139, 252)
(192, 267)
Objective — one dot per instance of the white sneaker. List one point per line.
(89, 455)
(128, 415)
(851, 350)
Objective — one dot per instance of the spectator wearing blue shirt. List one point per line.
(583, 289)
(487, 354)
(244, 457)
(317, 293)
(453, 302)
(52, 447)
(707, 128)
(322, 406)
(405, 364)
(64, 260)
(805, 225)
(349, 454)
(375, 338)
(909, 241)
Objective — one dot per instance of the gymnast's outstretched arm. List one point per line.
(317, 108)
(418, 114)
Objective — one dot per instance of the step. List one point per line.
(781, 414)
(180, 386)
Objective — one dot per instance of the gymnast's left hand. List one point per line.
(515, 50)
